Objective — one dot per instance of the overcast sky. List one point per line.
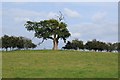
(86, 20)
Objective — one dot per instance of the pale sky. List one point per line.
(86, 20)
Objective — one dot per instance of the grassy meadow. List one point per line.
(59, 64)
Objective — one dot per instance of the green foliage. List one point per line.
(59, 64)
(28, 44)
(5, 42)
(88, 45)
(49, 29)
(116, 46)
(68, 45)
(100, 46)
(16, 42)
(45, 29)
(75, 44)
(0, 43)
(92, 45)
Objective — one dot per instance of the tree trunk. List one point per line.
(55, 43)
(6, 49)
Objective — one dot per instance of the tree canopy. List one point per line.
(75, 44)
(49, 29)
(92, 45)
(15, 42)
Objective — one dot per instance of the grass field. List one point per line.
(59, 64)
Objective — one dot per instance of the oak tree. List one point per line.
(49, 29)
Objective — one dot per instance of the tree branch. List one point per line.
(41, 42)
(50, 38)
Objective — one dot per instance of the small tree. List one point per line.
(68, 45)
(77, 44)
(28, 43)
(0, 42)
(118, 46)
(5, 42)
(89, 45)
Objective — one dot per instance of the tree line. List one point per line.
(92, 45)
(14, 43)
(18, 43)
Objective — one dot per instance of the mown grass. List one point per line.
(59, 64)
